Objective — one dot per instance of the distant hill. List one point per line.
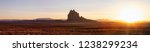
(43, 19)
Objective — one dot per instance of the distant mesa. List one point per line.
(43, 19)
(75, 17)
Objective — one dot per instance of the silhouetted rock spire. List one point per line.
(74, 16)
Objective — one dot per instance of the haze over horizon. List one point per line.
(58, 9)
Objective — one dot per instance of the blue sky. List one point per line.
(58, 9)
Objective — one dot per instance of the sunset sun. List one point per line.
(130, 15)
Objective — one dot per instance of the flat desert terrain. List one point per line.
(30, 27)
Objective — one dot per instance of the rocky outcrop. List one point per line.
(74, 16)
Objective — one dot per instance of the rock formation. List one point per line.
(74, 16)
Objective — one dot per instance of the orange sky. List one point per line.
(58, 9)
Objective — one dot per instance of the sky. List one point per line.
(58, 9)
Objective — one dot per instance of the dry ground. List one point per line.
(101, 28)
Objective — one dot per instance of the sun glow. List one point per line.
(130, 15)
